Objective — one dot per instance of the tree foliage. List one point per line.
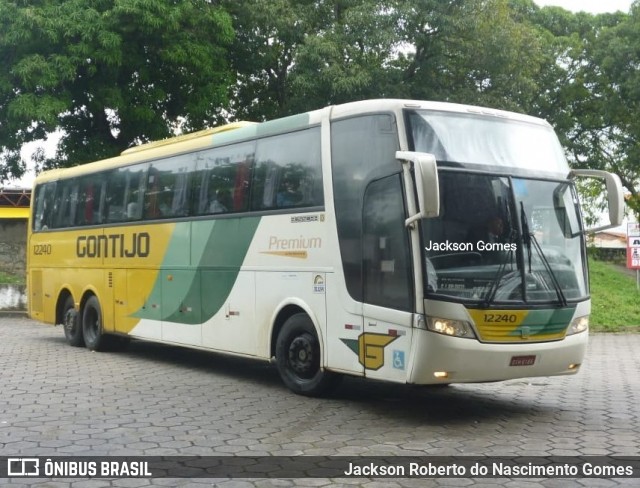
(107, 74)
(610, 135)
(297, 55)
(469, 52)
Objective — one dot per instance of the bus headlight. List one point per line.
(456, 328)
(579, 324)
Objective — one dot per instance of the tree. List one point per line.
(297, 55)
(107, 74)
(578, 92)
(268, 33)
(592, 90)
(349, 55)
(469, 51)
(610, 137)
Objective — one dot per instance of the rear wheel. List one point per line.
(92, 324)
(71, 324)
(298, 358)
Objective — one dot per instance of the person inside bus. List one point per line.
(158, 205)
(491, 232)
(220, 202)
(133, 211)
(495, 229)
(288, 195)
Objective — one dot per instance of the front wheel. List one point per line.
(298, 358)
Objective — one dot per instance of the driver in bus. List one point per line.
(491, 232)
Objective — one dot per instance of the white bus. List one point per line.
(407, 241)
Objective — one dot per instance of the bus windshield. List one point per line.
(502, 239)
(481, 139)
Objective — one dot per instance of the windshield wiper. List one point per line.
(529, 238)
(495, 284)
(508, 259)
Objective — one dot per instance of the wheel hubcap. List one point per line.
(301, 357)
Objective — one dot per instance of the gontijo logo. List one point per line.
(137, 244)
(370, 348)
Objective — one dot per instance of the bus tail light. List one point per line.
(455, 328)
(579, 324)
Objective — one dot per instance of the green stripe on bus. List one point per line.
(291, 123)
(542, 322)
(219, 248)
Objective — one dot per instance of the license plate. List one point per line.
(522, 361)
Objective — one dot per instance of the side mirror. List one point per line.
(425, 170)
(615, 195)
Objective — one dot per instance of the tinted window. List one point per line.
(362, 150)
(167, 188)
(214, 181)
(288, 171)
(90, 194)
(66, 200)
(125, 188)
(222, 179)
(387, 271)
(44, 204)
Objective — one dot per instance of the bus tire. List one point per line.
(298, 358)
(94, 338)
(71, 324)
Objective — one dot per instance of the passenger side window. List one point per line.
(222, 179)
(89, 200)
(125, 189)
(386, 259)
(44, 204)
(288, 171)
(167, 189)
(362, 150)
(65, 204)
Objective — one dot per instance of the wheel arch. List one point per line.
(65, 292)
(62, 298)
(88, 293)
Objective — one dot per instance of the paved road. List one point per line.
(158, 400)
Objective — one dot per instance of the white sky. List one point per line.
(592, 6)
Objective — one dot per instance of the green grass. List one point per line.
(11, 279)
(615, 300)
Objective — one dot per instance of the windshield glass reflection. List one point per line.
(507, 240)
(487, 140)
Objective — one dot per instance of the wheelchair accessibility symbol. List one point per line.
(398, 359)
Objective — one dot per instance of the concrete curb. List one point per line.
(19, 314)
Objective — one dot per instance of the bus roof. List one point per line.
(188, 137)
(364, 106)
(238, 131)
